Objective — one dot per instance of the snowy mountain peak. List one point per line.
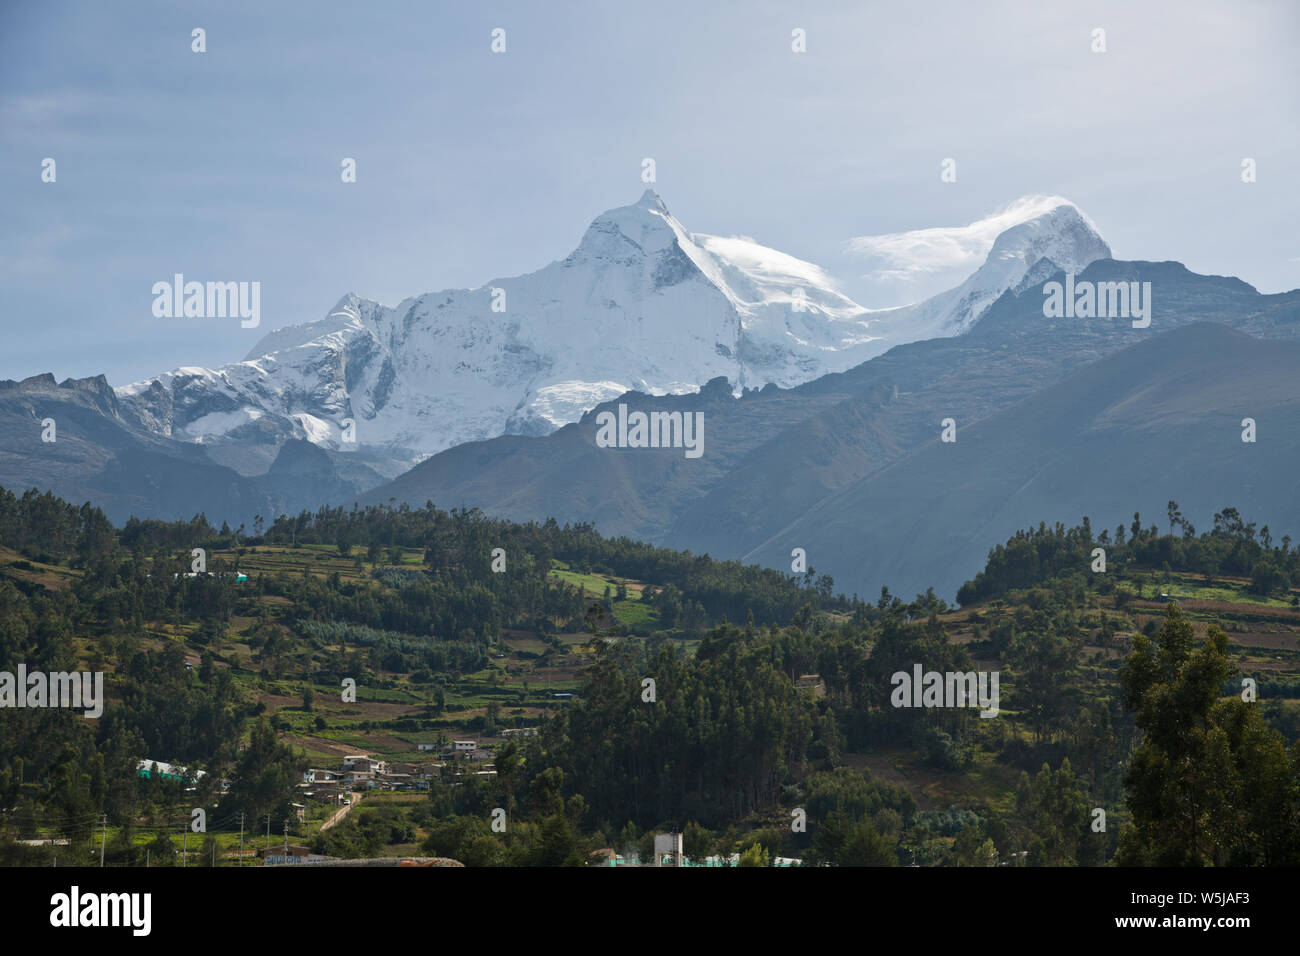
(653, 201)
(643, 228)
(641, 303)
(346, 314)
(1031, 229)
(1061, 233)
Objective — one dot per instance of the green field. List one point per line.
(632, 612)
(1182, 587)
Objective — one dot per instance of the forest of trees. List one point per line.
(726, 749)
(1233, 547)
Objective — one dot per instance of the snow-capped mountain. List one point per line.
(640, 304)
(1055, 233)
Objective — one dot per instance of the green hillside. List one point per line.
(751, 710)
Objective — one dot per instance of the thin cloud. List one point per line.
(923, 253)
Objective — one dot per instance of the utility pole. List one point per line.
(103, 840)
(268, 833)
(241, 837)
(185, 842)
(286, 839)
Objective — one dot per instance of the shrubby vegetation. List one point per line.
(1233, 547)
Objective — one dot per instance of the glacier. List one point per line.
(641, 304)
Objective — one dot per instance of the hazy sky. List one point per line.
(472, 165)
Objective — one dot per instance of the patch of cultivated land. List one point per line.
(360, 710)
(323, 746)
(34, 572)
(1234, 609)
(1281, 642)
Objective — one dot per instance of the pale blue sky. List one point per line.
(225, 165)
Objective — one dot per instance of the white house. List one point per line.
(364, 764)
